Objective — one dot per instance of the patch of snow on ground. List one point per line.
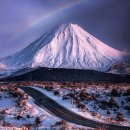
(9, 111)
(65, 103)
(103, 97)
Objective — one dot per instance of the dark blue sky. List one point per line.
(22, 21)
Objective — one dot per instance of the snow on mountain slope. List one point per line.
(121, 68)
(68, 46)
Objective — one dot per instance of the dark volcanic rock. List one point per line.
(73, 75)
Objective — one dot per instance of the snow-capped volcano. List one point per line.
(68, 46)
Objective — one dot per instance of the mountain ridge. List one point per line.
(66, 75)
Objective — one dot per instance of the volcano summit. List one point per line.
(67, 46)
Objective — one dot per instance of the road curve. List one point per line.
(52, 106)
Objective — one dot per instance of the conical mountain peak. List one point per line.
(67, 46)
